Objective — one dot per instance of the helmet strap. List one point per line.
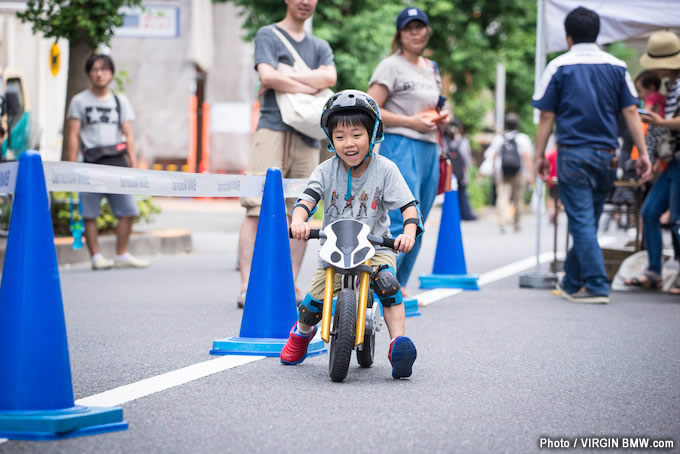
(375, 132)
(348, 194)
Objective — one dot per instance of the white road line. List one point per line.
(431, 296)
(146, 387)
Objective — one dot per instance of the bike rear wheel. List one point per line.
(366, 354)
(342, 340)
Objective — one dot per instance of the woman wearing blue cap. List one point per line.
(407, 88)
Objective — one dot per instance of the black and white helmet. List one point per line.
(353, 100)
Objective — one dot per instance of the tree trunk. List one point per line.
(79, 52)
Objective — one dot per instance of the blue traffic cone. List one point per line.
(270, 309)
(36, 394)
(449, 270)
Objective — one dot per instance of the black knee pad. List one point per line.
(386, 286)
(309, 311)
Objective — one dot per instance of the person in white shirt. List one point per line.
(511, 154)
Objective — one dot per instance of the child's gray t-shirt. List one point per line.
(98, 118)
(379, 190)
(412, 90)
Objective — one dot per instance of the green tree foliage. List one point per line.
(90, 21)
(85, 24)
(469, 37)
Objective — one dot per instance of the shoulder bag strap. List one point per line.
(120, 123)
(290, 48)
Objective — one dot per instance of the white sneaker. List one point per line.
(131, 262)
(102, 263)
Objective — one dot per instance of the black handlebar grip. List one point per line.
(389, 242)
(313, 233)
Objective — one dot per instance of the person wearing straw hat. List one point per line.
(663, 57)
(583, 91)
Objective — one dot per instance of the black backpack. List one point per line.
(511, 163)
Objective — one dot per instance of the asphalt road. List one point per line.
(497, 369)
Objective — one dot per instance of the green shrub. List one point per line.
(106, 222)
(479, 189)
(5, 211)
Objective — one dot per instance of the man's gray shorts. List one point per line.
(122, 204)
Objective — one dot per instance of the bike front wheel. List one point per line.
(342, 340)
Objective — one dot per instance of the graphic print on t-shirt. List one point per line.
(348, 204)
(96, 115)
(411, 85)
(334, 198)
(362, 204)
(376, 197)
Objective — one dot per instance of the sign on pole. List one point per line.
(55, 59)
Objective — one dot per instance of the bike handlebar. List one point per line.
(317, 233)
(387, 242)
(320, 234)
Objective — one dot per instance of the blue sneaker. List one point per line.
(402, 355)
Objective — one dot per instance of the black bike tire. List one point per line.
(342, 343)
(365, 356)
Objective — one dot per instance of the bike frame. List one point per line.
(364, 286)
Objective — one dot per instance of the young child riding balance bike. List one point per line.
(370, 186)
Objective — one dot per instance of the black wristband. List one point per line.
(410, 204)
(300, 205)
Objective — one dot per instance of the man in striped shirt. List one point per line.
(582, 92)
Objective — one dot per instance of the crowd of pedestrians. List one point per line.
(586, 94)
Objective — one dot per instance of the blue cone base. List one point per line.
(59, 424)
(462, 281)
(259, 346)
(410, 306)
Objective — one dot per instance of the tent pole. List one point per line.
(540, 48)
(538, 279)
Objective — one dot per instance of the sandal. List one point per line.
(648, 280)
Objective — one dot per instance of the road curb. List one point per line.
(155, 242)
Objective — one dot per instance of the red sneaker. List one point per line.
(295, 350)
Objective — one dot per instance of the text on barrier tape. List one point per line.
(80, 177)
(8, 176)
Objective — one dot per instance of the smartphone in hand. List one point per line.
(643, 112)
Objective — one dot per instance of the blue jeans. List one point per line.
(585, 180)
(664, 194)
(418, 162)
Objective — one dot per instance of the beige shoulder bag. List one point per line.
(300, 111)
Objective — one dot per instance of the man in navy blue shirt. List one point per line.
(583, 91)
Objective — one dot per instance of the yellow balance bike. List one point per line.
(347, 250)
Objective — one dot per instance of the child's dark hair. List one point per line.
(350, 117)
(106, 60)
(582, 25)
(648, 79)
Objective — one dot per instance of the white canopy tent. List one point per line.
(620, 20)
